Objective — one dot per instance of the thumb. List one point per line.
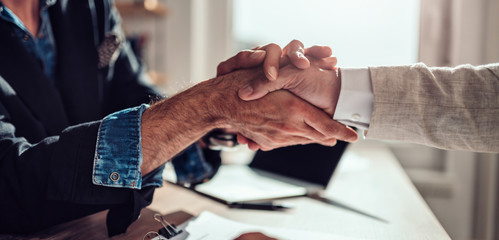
(257, 89)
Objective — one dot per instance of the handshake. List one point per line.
(291, 100)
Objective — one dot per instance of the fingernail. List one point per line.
(246, 91)
(353, 138)
(300, 55)
(258, 54)
(273, 73)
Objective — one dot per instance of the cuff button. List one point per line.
(114, 176)
(355, 117)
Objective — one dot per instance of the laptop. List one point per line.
(280, 173)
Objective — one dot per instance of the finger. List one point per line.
(284, 61)
(258, 88)
(254, 236)
(336, 130)
(272, 59)
(319, 51)
(229, 130)
(311, 135)
(243, 59)
(321, 122)
(328, 63)
(303, 134)
(298, 140)
(289, 140)
(304, 141)
(306, 135)
(296, 53)
(287, 137)
(253, 146)
(328, 142)
(242, 140)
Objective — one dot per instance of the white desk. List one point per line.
(370, 195)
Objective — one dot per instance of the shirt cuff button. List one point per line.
(114, 176)
(355, 117)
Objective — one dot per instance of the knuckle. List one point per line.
(259, 47)
(221, 67)
(293, 104)
(297, 43)
(240, 55)
(273, 46)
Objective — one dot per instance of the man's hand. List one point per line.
(277, 120)
(254, 236)
(272, 57)
(316, 85)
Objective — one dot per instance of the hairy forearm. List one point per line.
(171, 125)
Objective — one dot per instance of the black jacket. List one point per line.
(48, 130)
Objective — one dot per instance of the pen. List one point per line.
(259, 206)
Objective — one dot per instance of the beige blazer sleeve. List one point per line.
(449, 108)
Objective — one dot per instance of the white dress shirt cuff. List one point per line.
(355, 103)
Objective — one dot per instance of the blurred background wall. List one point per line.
(182, 42)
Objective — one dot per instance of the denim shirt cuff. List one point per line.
(118, 152)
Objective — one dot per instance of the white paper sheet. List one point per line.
(209, 226)
(238, 183)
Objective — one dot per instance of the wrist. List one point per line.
(336, 82)
(222, 100)
(209, 102)
(171, 125)
(328, 90)
(181, 112)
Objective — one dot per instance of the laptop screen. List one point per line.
(312, 163)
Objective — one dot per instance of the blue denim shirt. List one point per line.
(118, 154)
(43, 46)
